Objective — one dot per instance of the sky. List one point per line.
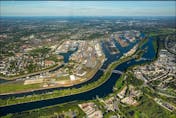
(87, 8)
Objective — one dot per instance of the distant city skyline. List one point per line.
(88, 8)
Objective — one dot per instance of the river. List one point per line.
(101, 91)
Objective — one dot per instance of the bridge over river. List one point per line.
(114, 71)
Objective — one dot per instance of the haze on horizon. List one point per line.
(88, 8)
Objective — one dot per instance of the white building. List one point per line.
(72, 77)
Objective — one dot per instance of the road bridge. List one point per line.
(102, 69)
(117, 72)
(114, 71)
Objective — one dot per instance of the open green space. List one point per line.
(121, 82)
(147, 108)
(50, 112)
(154, 42)
(162, 31)
(16, 87)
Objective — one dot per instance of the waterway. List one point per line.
(68, 54)
(110, 58)
(101, 91)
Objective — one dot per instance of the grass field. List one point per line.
(146, 109)
(50, 112)
(16, 87)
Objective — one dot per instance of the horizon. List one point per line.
(87, 16)
(87, 8)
